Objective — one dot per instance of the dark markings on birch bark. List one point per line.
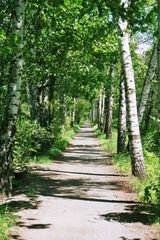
(136, 152)
(8, 127)
(121, 139)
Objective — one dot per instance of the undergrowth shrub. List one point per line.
(24, 146)
(35, 142)
(151, 141)
(30, 140)
(152, 186)
(7, 220)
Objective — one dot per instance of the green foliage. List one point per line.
(149, 190)
(60, 144)
(82, 110)
(151, 140)
(7, 220)
(24, 142)
(109, 145)
(30, 140)
(152, 187)
(31, 190)
(123, 163)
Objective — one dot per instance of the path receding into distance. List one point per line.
(79, 197)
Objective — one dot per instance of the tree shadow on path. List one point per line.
(135, 213)
(67, 187)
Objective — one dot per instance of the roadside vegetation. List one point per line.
(147, 191)
(7, 221)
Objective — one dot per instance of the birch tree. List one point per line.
(63, 109)
(121, 139)
(158, 70)
(100, 109)
(147, 84)
(73, 110)
(109, 106)
(8, 127)
(136, 152)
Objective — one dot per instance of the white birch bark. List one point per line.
(121, 140)
(109, 106)
(147, 84)
(63, 108)
(109, 116)
(100, 109)
(13, 98)
(92, 112)
(73, 114)
(148, 112)
(103, 111)
(136, 152)
(51, 98)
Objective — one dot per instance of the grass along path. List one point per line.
(149, 191)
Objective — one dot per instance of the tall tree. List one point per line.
(63, 109)
(158, 70)
(147, 84)
(137, 158)
(8, 127)
(100, 109)
(121, 139)
(73, 110)
(109, 105)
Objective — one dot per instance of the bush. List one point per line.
(151, 141)
(152, 192)
(7, 220)
(24, 146)
(30, 140)
(152, 187)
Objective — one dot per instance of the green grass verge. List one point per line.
(7, 220)
(147, 191)
(109, 145)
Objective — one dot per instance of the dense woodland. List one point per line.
(65, 61)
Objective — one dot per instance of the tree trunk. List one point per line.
(42, 113)
(100, 110)
(158, 70)
(73, 112)
(98, 113)
(63, 109)
(109, 107)
(108, 128)
(94, 112)
(103, 111)
(147, 84)
(121, 139)
(8, 128)
(137, 159)
(148, 112)
(32, 99)
(52, 84)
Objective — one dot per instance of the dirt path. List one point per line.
(80, 197)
